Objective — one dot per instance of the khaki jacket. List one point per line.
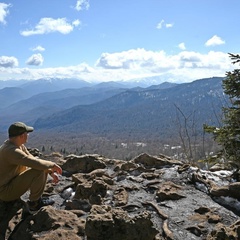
(14, 160)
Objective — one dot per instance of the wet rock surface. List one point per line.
(147, 198)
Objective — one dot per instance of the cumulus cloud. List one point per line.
(139, 63)
(49, 25)
(162, 24)
(35, 59)
(38, 48)
(76, 23)
(182, 46)
(134, 59)
(8, 62)
(169, 25)
(210, 62)
(82, 4)
(4, 12)
(81, 71)
(150, 62)
(215, 40)
(186, 56)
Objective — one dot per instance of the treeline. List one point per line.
(119, 148)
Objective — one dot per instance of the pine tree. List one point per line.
(228, 136)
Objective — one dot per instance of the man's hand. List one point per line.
(54, 177)
(55, 171)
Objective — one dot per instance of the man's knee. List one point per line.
(35, 172)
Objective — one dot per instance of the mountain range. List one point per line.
(112, 108)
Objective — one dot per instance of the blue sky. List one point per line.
(109, 40)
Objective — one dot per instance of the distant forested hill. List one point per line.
(115, 120)
(148, 112)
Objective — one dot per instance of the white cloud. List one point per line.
(182, 46)
(35, 59)
(135, 59)
(82, 4)
(187, 56)
(76, 23)
(149, 62)
(169, 25)
(38, 48)
(8, 62)
(82, 71)
(133, 64)
(162, 24)
(4, 12)
(49, 25)
(215, 40)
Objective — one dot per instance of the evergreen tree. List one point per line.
(228, 136)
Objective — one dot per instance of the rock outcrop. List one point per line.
(147, 198)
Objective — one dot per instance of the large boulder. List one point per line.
(160, 161)
(59, 223)
(105, 222)
(83, 163)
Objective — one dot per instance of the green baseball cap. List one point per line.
(18, 128)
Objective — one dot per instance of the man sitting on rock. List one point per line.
(20, 171)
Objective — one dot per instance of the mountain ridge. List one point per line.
(105, 108)
(29, 106)
(157, 119)
(141, 111)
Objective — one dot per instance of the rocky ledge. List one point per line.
(147, 198)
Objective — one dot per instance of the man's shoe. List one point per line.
(34, 206)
